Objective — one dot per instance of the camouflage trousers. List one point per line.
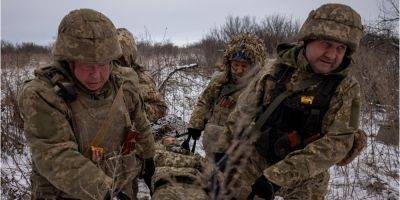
(179, 191)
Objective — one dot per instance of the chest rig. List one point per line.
(297, 120)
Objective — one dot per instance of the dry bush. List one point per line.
(16, 163)
(273, 29)
(17, 64)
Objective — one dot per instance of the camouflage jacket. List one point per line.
(212, 111)
(202, 111)
(338, 126)
(58, 133)
(154, 102)
(209, 108)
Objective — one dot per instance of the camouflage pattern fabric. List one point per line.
(301, 166)
(155, 106)
(154, 102)
(180, 191)
(207, 99)
(87, 36)
(212, 108)
(333, 21)
(128, 45)
(59, 133)
(314, 188)
(180, 171)
(360, 142)
(249, 44)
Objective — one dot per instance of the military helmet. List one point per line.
(333, 21)
(245, 47)
(87, 36)
(128, 45)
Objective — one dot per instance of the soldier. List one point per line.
(243, 56)
(303, 112)
(155, 105)
(82, 114)
(178, 171)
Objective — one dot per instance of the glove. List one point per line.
(195, 133)
(263, 188)
(119, 196)
(217, 158)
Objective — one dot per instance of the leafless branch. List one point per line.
(184, 68)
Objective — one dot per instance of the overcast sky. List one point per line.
(181, 21)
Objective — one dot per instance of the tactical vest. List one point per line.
(84, 116)
(297, 120)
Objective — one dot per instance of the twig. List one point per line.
(187, 67)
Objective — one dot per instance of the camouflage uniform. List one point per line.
(303, 174)
(213, 107)
(155, 105)
(177, 174)
(60, 130)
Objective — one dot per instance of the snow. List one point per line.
(372, 175)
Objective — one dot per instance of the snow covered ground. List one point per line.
(372, 175)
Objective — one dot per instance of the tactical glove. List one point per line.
(195, 133)
(263, 188)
